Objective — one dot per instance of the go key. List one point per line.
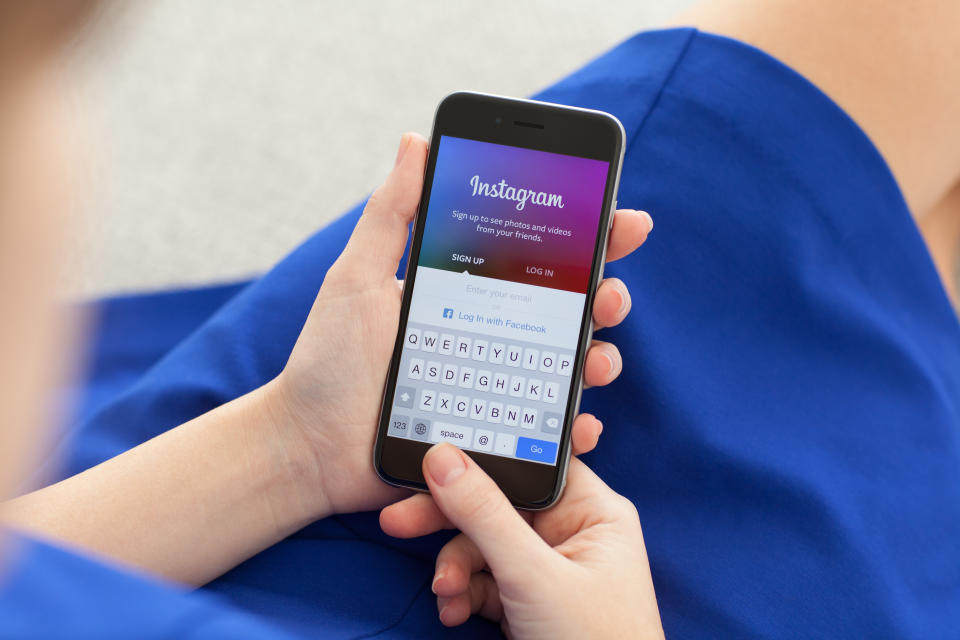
(537, 450)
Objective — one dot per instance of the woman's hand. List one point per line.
(577, 570)
(327, 400)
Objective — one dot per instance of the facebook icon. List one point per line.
(447, 312)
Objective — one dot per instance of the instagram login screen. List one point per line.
(498, 298)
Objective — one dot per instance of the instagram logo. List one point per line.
(520, 196)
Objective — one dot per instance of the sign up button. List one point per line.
(537, 450)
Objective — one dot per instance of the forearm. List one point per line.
(190, 504)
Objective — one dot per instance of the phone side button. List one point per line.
(460, 436)
(537, 450)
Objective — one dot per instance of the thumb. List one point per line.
(473, 502)
(378, 241)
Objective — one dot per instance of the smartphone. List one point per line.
(507, 250)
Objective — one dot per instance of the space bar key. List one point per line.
(460, 436)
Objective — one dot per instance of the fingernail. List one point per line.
(404, 144)
(445, 464)
(599, 428)
(648, 219)
(610, 361)
(624, 297)
(441, 573)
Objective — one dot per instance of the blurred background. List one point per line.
(216, 136)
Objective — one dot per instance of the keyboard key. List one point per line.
(445, 348)
(534, 389)
(461, 406)
(483, 441)
(462, 349)
(511, 415)
(431, 372)
(445, 403)
(413, 338)
(514, 356)
(398, 426)
(478, 409)
(564, 364)
(460, 436)
(506, 444)
(552, 422)
(538, 450)
(480, 350)
(420, 430)
(497, 352)
(466, 377)
(529, 418)
(483, 380)
(416, 369)
(548, 359)
(495, 412)
(500, 381)
(404, 397)
(449, 375)
(429, 341)
(551, 392)
(428, 398)
(531, 359)
(517, 386)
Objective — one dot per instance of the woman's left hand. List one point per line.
(325, 404)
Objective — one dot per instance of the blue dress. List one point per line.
(787, 423)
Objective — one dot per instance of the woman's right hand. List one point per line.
(576, 570)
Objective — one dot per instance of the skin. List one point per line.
(34, 182)
(566, 572)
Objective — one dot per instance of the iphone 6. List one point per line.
(507, 250)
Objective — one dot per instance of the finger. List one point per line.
(612, 303)
(457, 561)
(482, 597)
(379, 239)
(418, 516)
(585, 502)
(630, 230)
(586, 433)
(603, 364)
(475, 505)
(415, 516)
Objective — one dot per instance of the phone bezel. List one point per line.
(568, 130)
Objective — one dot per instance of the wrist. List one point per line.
(297, 490)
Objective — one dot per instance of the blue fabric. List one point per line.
(52, 592)
(787, 421)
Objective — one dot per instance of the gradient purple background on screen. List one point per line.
(581, 182)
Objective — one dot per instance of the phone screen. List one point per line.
(499, 291)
